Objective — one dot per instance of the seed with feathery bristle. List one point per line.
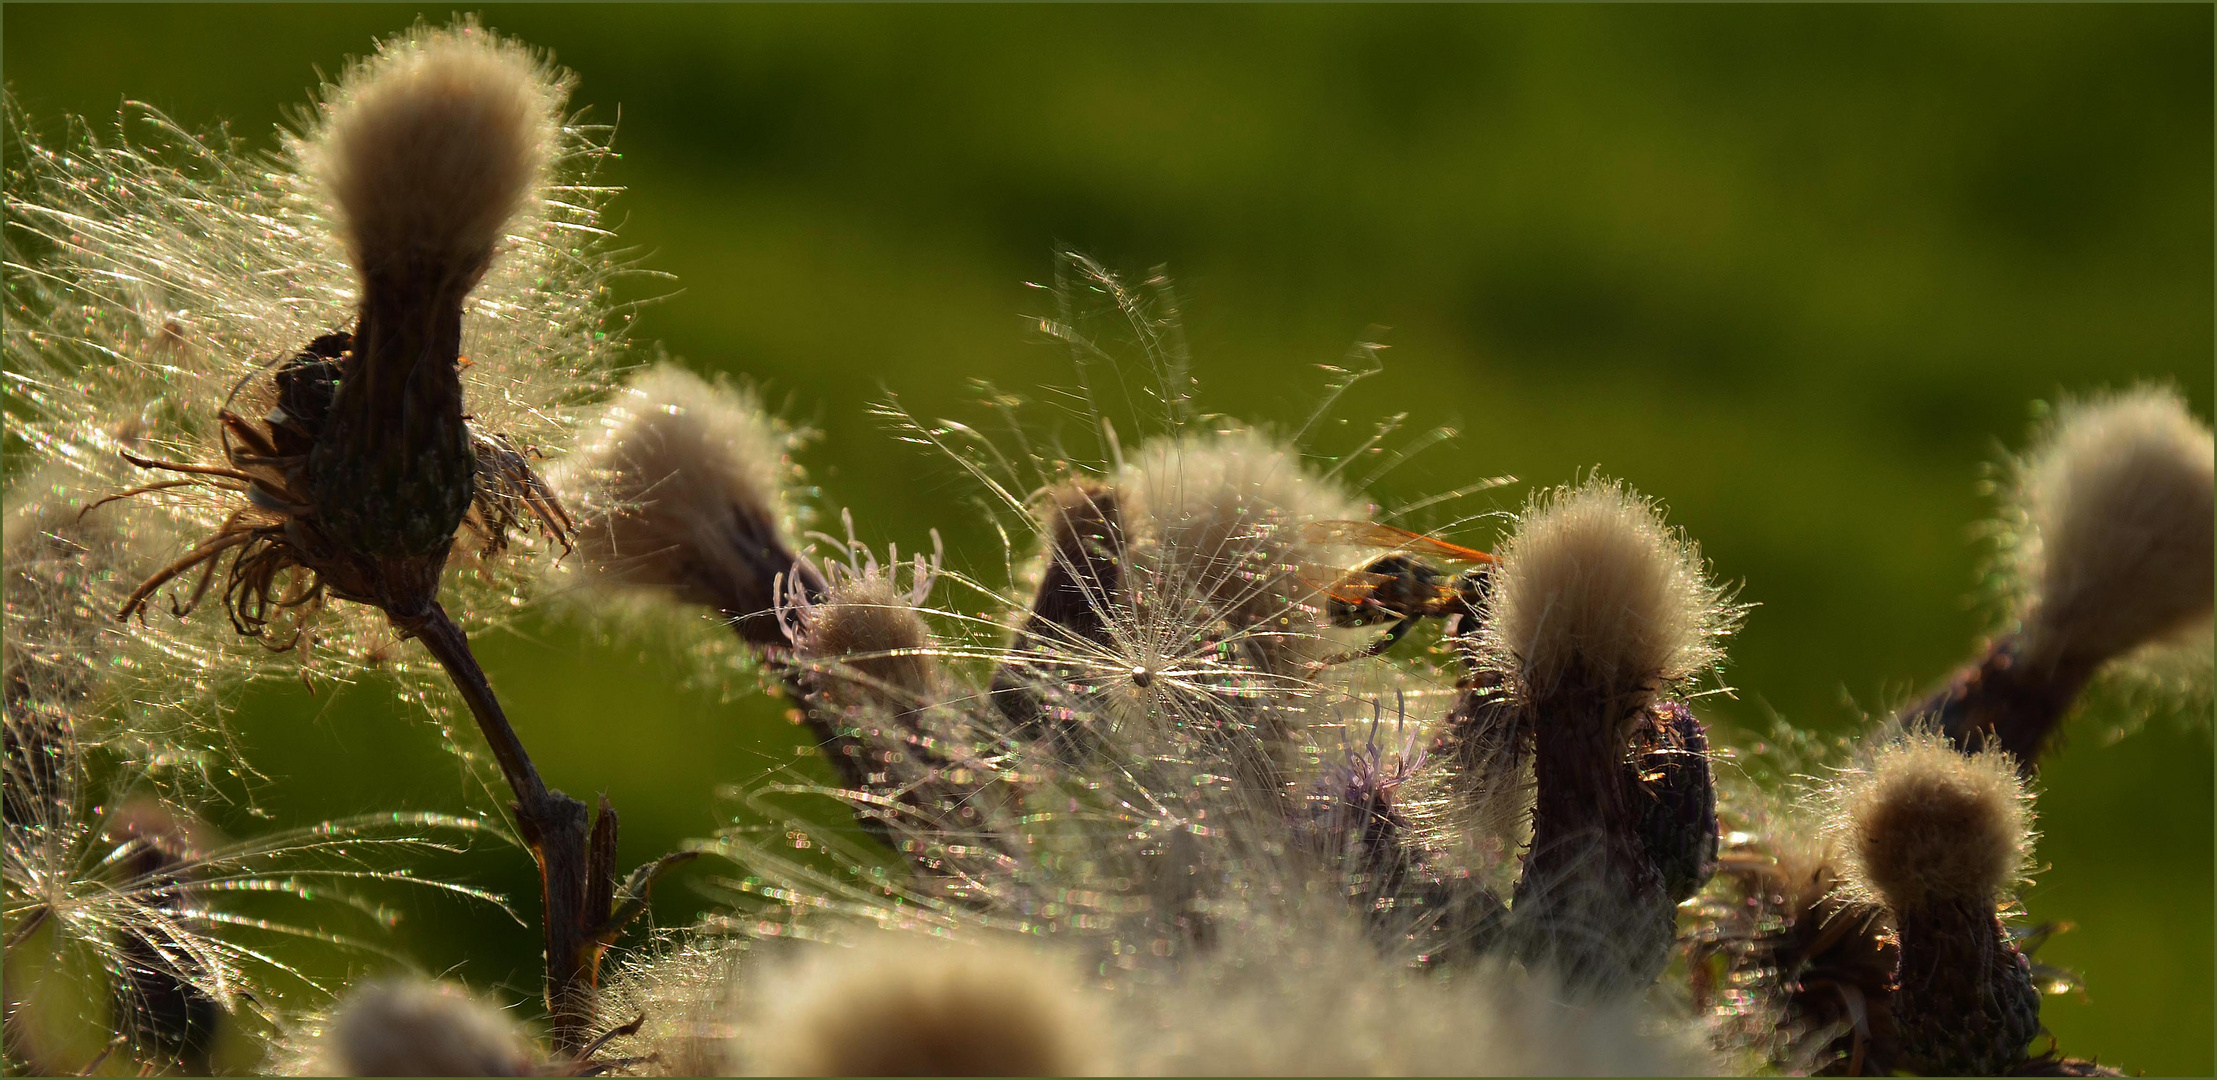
(686, 491)
(898, 1005)
(1081, 526)
(416, 1027)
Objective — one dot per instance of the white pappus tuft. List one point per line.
(2112, 544)
(1594, 588)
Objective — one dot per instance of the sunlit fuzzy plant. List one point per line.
(350, 352)
(1172, 788)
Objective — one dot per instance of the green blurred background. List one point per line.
(1798, 271)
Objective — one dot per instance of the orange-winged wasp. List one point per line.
(1399, 586)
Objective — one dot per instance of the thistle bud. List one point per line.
(685, 492)
(1675, 796)
(2111, 549)
(1598, 607)
(908, 1006)
(1940, 836)
(426, 152)
(417, 1027)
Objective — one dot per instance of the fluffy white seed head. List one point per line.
(163, 270)
(684, 489)
(416, 1027)
(909, 1005)
(1920, 821)
(1594, 587)
(428, 148)
(1316, 1000)
(1219, 516)
(2114, 512)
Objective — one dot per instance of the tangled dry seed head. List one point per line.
(2113, 508)
(1594, 586)
(412, 1026)
(685, 484)
(1920, 821)
(430, 147)
(909, 1005)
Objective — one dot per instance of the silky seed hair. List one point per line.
(2107, 531)
(429, 149)
(1592, 584)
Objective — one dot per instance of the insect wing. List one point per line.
(1345, 586)
(1372, 534)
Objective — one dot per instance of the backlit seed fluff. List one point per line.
(417, 1027)
(684, 489)
(428, 148)
(2115, 506)
(1920, 821)
(905, 1005)
(877, 640)
(1594, 588)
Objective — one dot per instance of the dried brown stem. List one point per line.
(576, 865)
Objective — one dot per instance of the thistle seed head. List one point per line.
(430, 148)
(1222, 513)
(417, 1027)
(1594, 591)
(427, 151)
(2113, 509)
(186, 287)
(907, 1005)
(874, 647)
(1922, 822)
(685, 485)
